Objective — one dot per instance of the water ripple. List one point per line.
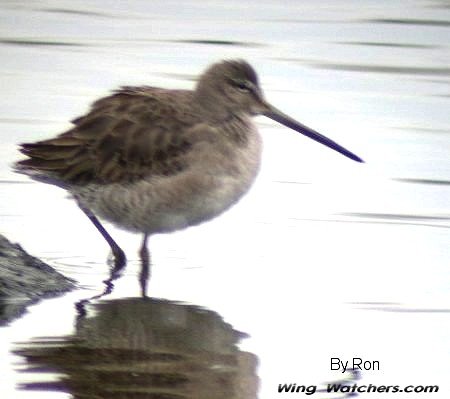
(217, 42)
(421, 22)
(423, 181)
(385, 69)
(397, 308)
(386, 44)
(74, 12)
(34, 42)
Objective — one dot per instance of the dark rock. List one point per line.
(25, 279)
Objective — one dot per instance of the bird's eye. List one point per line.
(242, 86)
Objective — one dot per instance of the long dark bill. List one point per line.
(280, 117)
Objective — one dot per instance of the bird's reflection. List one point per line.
(115, 272)
(145, 348)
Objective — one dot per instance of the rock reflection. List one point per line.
(145, 348)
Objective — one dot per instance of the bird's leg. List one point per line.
(119, 263)
(119, 256)
(145, 266)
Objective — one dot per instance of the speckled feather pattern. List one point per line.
(216, 177)
(153, 160)
(133, 133)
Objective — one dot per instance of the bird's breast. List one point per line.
(218, 173)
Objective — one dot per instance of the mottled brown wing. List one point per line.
(133, 133)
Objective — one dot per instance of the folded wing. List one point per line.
(133, 133)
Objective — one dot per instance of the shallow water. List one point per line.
(324, 257)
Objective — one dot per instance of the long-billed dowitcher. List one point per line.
(152, 160)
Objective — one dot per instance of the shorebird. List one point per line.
(152, 160)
